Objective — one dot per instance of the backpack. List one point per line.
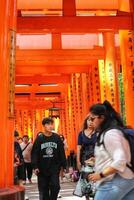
(129, 135)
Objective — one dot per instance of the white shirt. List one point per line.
(27, 152)
(116, 154)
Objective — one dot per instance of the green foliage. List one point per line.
(121, 97)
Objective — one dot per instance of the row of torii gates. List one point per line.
(83, 76)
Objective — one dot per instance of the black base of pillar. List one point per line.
(12, 193)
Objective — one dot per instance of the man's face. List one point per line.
(25, 139)
(16, 138)
(48, 127)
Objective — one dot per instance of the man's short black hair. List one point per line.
(26, 136)
(47, 120)
(16, 134)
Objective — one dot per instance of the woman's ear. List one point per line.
(102, 117)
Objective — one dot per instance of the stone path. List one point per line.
(66, 191)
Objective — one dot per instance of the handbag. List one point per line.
(78, 189)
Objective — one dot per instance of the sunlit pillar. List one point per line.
(68, 117)
(102, 77)
(127, 62)
(110, 69)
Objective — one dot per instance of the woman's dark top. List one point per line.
(88, 145)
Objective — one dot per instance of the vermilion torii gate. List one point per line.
(84, 76)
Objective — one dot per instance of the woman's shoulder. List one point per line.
(81, 133)
(113, 133)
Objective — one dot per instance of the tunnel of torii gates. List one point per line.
(65, 74)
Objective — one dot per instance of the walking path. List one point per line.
(66, 191)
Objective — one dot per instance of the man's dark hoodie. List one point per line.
(48, 154)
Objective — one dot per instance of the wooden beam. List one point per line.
(61, 54)
(33, 105)
(37, 62)
(29, 69)
(55, 63)
(39, 79)
(39, 89)
(73, 24)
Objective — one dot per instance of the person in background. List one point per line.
(114, 179)
(62, 171)
(20, 140)
(48, 157)
(86, 143)
(64, 141)
(26, 148)
(18, 160)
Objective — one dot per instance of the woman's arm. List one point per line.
(106, 172)
(78, 157)
(114, 145)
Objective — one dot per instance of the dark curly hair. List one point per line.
(111, 117)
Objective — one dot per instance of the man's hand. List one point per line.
(36, 171)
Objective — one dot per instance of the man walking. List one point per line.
(48, 157)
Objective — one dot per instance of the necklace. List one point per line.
(88, 134)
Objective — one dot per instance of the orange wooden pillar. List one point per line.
(29, 115)
(102, 78)
(79, 102)
(68, 117)
(7, 9)
(38, 120)
(85, 95)
(56, 41)
(62, 124)
(18, 121)
(74, 109)
(127, 62)
(91, 82)
(89, 88)
(69, 8)
(127, 48)
(4, 100)
(110, 70)
(32, 124)
(94, 84)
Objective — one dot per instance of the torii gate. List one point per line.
(69, 22)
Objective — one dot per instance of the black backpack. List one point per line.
(129, 135)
